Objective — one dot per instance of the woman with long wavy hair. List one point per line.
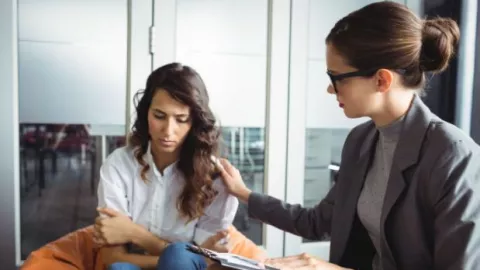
(159, 192)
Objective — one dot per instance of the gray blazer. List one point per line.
(431, 211)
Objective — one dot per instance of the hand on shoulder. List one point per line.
(233, 180)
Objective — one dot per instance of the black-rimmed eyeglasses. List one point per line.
(358, 73)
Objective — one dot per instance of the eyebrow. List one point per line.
(176, 115)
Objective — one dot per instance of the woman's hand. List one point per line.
(233, 180)
(301, 262)
(219, 242)
(113, 228)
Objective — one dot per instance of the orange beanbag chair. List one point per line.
(77, 251)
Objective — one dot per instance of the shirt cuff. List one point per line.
(201, 236)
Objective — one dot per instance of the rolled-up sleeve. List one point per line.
(218, 215)
(111, 190)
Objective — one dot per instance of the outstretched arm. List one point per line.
(311, 223)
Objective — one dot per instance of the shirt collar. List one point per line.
(167, 172)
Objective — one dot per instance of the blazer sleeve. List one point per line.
(457, 208)
(312, 223)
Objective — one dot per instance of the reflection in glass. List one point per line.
(67, 80)
(244, 147)
(58, 176)
(322, 158)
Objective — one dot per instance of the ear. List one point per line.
(384, 80)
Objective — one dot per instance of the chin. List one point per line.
(167, 149)
(163, 149)
(352, 115)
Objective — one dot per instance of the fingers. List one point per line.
(226, 243)
(108, 212)
(285, 259)
(303, 261)
(216, 162)
(221, 168)
(98, 237)
(98, 220)
(99, 241)
(225, 167)
(219, 236)
(212, 240)
(219, 242)
(223, 247)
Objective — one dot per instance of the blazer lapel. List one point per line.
(407, 152)
(348, 207)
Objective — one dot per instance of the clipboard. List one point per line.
(229, 260)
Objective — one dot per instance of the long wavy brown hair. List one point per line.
(184, 84)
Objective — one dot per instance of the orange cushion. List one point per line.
(244, 246)
(77, 251)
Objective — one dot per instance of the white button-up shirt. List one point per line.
(153, 203)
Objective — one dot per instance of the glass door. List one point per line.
(240, 48)
(76, 72)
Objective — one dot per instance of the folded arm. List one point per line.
(113, 206)
(149, 242)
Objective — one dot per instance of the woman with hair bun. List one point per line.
(407, 194)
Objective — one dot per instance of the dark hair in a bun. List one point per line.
(388, 35)
(440, 37)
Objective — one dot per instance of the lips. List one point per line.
(341, 105)
(166, 142)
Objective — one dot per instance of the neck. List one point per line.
(162, 160)
(396, 106)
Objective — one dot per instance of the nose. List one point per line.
(330, 89)
(169, 127)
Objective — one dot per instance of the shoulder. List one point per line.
(450, 142)
(223, 194)
(121, 158)
(219, 185)
(455, 161)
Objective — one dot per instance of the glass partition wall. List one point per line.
(264, 66)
